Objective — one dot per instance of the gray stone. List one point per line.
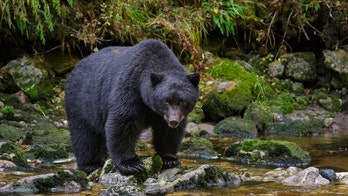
(307, 177)
(300, 66)
(236, 127)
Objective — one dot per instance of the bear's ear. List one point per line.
(194, 78)
(156, 78)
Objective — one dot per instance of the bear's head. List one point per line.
(173, 95)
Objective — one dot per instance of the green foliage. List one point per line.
(24, 13)
(225, 13)
(7, 111)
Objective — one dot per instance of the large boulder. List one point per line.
(236, 127)
(267, 153)
(231, 94)
(337, 61)
(29, 75)
(301, 66)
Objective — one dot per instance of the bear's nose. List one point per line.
(173, 123)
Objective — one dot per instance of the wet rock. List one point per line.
(197, 147)
(309, 121)
(260, 115)
(307, 177)
(279, 174)
(7, 165)
(300, 66)
(343, 177)
(236, 127)
(267, 152)
(67, 181)
(30, 75)
(206, 175)
(168, 180)
(337, 61)
(329, 174)
(120, 189)
(276, 69)
(192, 129)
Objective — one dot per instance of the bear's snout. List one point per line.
(174, 116)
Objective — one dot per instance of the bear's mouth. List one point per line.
(173, 122)
(174, 116)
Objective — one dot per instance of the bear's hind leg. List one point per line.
(88, 145)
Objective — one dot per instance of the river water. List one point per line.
(328, 151)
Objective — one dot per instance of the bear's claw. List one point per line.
(170, 161)
(130, 166)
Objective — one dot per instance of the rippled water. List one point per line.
(328, 151)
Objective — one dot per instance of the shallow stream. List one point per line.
(328, 151)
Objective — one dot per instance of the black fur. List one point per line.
(113, 94)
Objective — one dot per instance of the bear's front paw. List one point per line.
(130, 166)
(170, 161)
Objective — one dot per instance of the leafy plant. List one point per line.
(20, 14)
(224, 14)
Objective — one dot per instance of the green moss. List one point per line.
(9, 151)
(8, 132)
(228, 70)
(157, 163)
(195, 142)
(8, 111)
(298, 127)
(45, 184)
(275, 147)
(283, 104)
(153, 165)
(267, 152)
(50, 152)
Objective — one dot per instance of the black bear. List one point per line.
(115, 93)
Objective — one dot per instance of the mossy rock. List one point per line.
(236, 127)
(260, 115)
(198, 147)
(11, 152)
(218, 104)
(8, 132)
(330, 102)
(267, 153)
(31, 76)
(296, 127)
(283, 103)
(61, 179)
(48, 152)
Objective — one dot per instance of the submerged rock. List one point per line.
(267, 152)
